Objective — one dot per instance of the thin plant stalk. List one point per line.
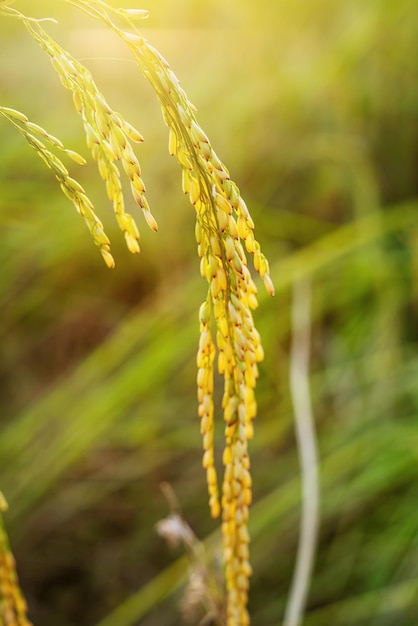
(307, 450)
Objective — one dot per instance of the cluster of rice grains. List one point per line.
(13, 607)
(223, 225)
(108, 137)
(224, 233)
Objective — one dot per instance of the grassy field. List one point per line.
(314, 109)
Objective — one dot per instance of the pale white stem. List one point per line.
(307, 450)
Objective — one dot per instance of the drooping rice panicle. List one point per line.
(223, 229)
(224, 233)
(108, 134)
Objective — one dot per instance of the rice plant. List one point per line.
(223, 225)
(313, 107)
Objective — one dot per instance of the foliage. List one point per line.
(317, 117)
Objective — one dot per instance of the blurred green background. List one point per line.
(313, 106)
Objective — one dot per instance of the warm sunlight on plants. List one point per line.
(309, 112)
